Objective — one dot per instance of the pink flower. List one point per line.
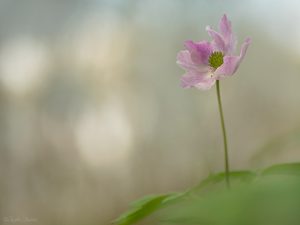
(205, 62)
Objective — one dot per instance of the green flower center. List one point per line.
(216, 59)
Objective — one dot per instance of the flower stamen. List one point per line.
(216, 59)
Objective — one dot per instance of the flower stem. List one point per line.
(224, 135)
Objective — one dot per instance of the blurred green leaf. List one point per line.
(218, 180)
(283, 169)
(143, 207)
(149, 204)
(198, 204)
(270, 202)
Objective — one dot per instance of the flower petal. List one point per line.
(206, 84)
(231, 63)
(200, 51)
(225, 27)
(228, 37)
(184, 60)
(218, 42)
(200, 81)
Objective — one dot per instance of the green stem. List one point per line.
(224, 135)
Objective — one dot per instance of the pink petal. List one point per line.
(206, 85)
(200, 51)
(231, 63)
(200, 81)
(184, 60)
(218, 42)
(228, 37)
(225, 27)
(231, 45)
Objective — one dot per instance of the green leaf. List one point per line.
(143, 207)
(212, 184)
(236, 177)
(273, 201)
(283, 169)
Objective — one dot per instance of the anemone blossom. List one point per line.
(205, 62)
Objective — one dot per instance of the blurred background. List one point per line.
(92, 115)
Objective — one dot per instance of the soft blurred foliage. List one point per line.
(92, 115)
(261, 197)
(270, 201)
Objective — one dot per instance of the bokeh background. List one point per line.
(92, 115)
